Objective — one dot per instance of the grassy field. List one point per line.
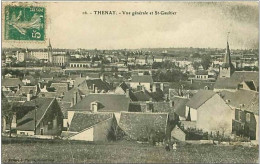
(124, 152)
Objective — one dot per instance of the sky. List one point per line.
(196, 24)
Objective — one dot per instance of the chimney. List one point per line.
(154, 87)
(75, 98)
(80, 75)
(102, 77)
(19, 86)
(29, 96)
(14, 121)
(161, 86)
(127, 92)
(96, 90)
(94, 106)
(71, 105)
(191, 81)
(171, 103)
(93, 87)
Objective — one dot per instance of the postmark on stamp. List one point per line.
(25, 23)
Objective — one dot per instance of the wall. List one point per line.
(135, 84)
(224, 72)
(193, 113)
(29, 133)
(52, 122)
(215, 115)
(119, 90)
(70, 116)
(86, 135)
(178, 134)
(102, 129)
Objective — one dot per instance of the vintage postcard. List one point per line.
(130, 82)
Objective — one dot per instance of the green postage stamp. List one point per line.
(25, 23)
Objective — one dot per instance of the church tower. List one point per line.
(227, 68)
(50, 52)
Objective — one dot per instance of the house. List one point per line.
(236, 79)
(40, 116)
(210, 112)
(29, 80)
(93, 86)
(138, 82)
(123, 88)
(11, 84)
(154, 107)
(25, 90)
(60, 88)
(246, 106)
(201, 75)
(142, 126)
(97, 102)
(178, 134)
(179, 106)
(92, 126)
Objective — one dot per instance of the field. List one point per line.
(123, 152)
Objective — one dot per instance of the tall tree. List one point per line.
(206, 61)
(7, 113)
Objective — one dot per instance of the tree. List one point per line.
(206, 61)
(7, 113)
(196, 65)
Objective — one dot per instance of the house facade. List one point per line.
(210, 112)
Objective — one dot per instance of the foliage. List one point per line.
(196, 65)
(205, 61)
(169, 76)
(163, 65)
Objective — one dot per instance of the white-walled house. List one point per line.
(210, 112)
(137, 81)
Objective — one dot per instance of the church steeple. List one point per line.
(227, 58)
(49, 44)
(49, 52)
(227, 68)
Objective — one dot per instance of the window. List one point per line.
(248, 117)
(239, 115)
(22, 133)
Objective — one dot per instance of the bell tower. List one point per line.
(227, 68)
(49, 52)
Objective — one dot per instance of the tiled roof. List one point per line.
(131, 94)
(12, 82)
(142, 79)
(236, 78)
(138, 125)
(24, 90)
(200, 98)
(88, 84)
(244, 99)
(81, 121)
(107, 102)
(27, 122)
(70, 94)
(180, 105)
(201, 72)
(251, 85)
(142, 96)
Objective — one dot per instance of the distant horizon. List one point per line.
(196, 24)
(134, 48)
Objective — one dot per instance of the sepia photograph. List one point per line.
(130, 82)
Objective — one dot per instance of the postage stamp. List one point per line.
(25, 23)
